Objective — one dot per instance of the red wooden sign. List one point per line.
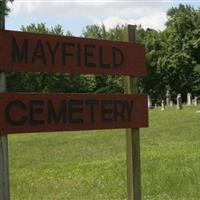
(23, 113)
(21, 51)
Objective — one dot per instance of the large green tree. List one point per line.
(172, 56)
(49, 82)
(106, 83)
(4, 10)
(154, 83)
(181, 56)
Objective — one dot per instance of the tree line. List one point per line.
(172, 57)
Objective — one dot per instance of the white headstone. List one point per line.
(171, 103)
(179, 102)
(195, 100)
(162, 105)
(189, 99)
(149, 102)
(168, 98)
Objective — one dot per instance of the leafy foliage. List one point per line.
(106, 84)
(172, 56)
(4, 10)
(43, 82)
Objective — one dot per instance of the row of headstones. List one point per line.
(170, 103)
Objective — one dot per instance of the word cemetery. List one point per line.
(49, 112)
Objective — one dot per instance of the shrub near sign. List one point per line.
(47, 53)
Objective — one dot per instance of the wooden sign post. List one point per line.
(4, 171)
(132, 135)
(33, 112)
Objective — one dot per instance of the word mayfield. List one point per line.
(49, 53)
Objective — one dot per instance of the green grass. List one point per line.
(92, 164)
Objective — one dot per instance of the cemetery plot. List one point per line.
(21, 112)
(22, 51)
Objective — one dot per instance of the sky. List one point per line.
(74, 15)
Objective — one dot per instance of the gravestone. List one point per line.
(149, 102)
(168, 98)
(189, 99)
(195, 101)
(162, 105)
(179, 102)
(171, 103)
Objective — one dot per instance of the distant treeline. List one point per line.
(172, 56)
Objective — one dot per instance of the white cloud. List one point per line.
(155, 21)
(147, 13)
(20, 8)
(111, 22)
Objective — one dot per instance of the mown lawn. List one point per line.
(92, 164)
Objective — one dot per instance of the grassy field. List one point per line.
(92, 165)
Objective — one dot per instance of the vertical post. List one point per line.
(132, 135)
(4, 176)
